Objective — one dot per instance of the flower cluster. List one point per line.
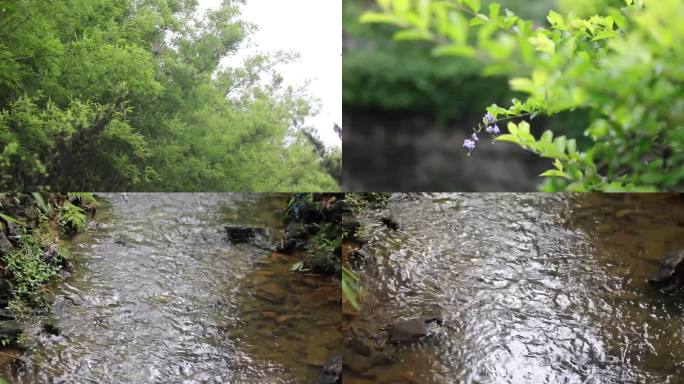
(490, 127)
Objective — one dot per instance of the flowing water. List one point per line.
(158, 296)
(532, 288)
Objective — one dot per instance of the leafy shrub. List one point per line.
(116, 95)
(623, 67)
(72, 217)
(32, 264)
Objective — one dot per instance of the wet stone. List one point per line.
(332, 371)
(413, 330)
(670, 275)
(5, 245)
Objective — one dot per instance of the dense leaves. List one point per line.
(622, 65)
(130, 95)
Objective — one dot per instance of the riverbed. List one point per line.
(158, 295)
(532, 288)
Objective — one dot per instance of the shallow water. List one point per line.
(159, 296)
(533, 288)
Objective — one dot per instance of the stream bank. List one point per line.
(33, 256)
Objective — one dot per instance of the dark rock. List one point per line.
(390, 223)
(6, 292)
(295, 237)
(50, 327)
(5, 245)
(339, 209)
(12, 230)
(20, 366)
(240, 234)
(670, 276)
(123, 243)
(332, 371)
(360, 347)
(413, 330)
(7, 314)
(50, 253)
(349, 225)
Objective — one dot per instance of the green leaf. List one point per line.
(605, 34)
(556, 19)
(44, 207)
(494, 9)
(546, 137)
(558, 164)
(473, 4)
(554, 172)
(412, 34)
(384, 18)
(512, 128)
(11, 219)
(508, 137)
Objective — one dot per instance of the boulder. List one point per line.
(332, 371)
(413, 330)
(6, 292)
(670, 276)
(238, 234)
(5, 245)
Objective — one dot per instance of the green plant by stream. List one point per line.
(32, 253)
(621, 65)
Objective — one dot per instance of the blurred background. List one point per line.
(406, 113)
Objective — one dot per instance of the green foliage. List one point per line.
(29, 268)
(129, 95)
(350, 288)
(623, 66)
(373, 200)
(72, 217)
(399, 77)
(83, 197)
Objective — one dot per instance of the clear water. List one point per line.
(159, 296)
(533, 288)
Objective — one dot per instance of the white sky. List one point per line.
(313, 29)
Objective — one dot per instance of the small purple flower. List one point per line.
(489, 118)
(474, 137)
(469, 145)
(493, 130)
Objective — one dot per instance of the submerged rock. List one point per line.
(332, 371)
(406, 331)
(239, 234)
(670, 276)
(51, 328)
(390, 223)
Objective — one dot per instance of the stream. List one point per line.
(157, 295)
(532, 288)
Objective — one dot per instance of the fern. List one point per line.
(72, 217)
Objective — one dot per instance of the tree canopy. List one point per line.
(131, 95)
